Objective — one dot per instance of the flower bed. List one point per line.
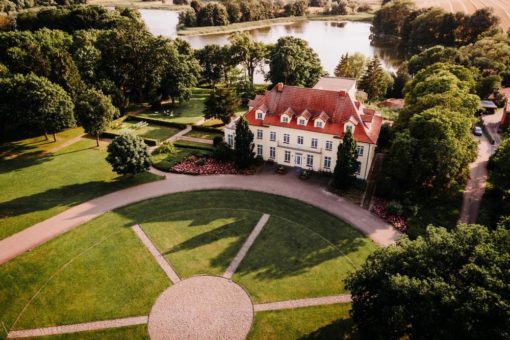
(379, 208)
(194, 165)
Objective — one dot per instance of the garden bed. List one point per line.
(380, 208)
(195, 165)
(165, 162)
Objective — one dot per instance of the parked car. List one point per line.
(477, 131)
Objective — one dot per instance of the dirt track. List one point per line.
(501, 7)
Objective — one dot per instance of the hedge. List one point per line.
(148, 141)
(206, 129)
(158, 122)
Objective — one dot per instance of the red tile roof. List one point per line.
(337, 105)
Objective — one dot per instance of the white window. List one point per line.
(309, 160)
(327, 162)
(285, 119)
(329, 145)
(230, 140)
(286, 138)
(360, 151)
(315, 142)
(260, 115)
(272, 152)
(259, 150)
(301, 121)
(348, 127)
(272, 136)
(300, 140)
(287, 156)
(318, 123)
(259, 134)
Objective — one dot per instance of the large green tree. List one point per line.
(445, 285)
(347, 163)
(37, 102)
(249, 53)
(243, 152)
(95, 112)
(293, 62)
(221, 104)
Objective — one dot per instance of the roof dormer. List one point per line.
(302, 121)
(321, 120)
(349, 126)
(287, 115)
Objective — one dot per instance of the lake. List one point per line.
(329, 39)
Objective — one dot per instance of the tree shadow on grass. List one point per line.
(279, 251)
(340, 329)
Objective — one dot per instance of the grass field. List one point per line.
(204, 134)
(501, 7)
(101, 270)
(324, 322)
(36, 188)
(151, 131)
(188, 112)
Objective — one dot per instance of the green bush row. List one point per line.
(158, 122)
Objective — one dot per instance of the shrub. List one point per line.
(217, 140)
(128, 154)
(223, 152)
(395, 208)
(165, 148)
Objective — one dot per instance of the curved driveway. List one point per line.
(290, 186)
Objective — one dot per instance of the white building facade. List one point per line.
(302, 127)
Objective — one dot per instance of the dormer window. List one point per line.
(301, 121)
(319, 124)
(285, 119)
(259, 115)
(348, 127)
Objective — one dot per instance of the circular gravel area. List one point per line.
(202, 307)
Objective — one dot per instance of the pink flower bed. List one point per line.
(194, 165)
(379, 208)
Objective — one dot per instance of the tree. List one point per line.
(296, 8)
(128, 154)
(351, 66)
(95, 112)
(347, 163)
(212, 62)
(499, 166)
(293, 62)
(375, 81)
(444, 285)
(36, 101)
(388, 20)
(221, 104)
(249, 53)
(432, 55)
(243, 153)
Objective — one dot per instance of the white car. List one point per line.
(477, 131)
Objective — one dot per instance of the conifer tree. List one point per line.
(375, 81)
(243, 144)
(346, 163)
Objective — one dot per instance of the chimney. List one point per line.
(279, 87)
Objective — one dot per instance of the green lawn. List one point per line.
(36, 188)
(322, 322)
(95, 272)
(35, 146)
(165, 162)
(126, 333)
(204, 134)
(151, 131)
(101, 270)
(191, 144)
(188, 112)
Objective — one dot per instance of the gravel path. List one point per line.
(81, 327)
(246, 246)
(285, 185)
(201, 307)
(169, 271)
(326, 300)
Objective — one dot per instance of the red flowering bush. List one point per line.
(380, 208)
(194, 165)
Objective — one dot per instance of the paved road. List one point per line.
(289, 185)
(477, 182)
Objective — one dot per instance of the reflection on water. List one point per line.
(329, 39)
